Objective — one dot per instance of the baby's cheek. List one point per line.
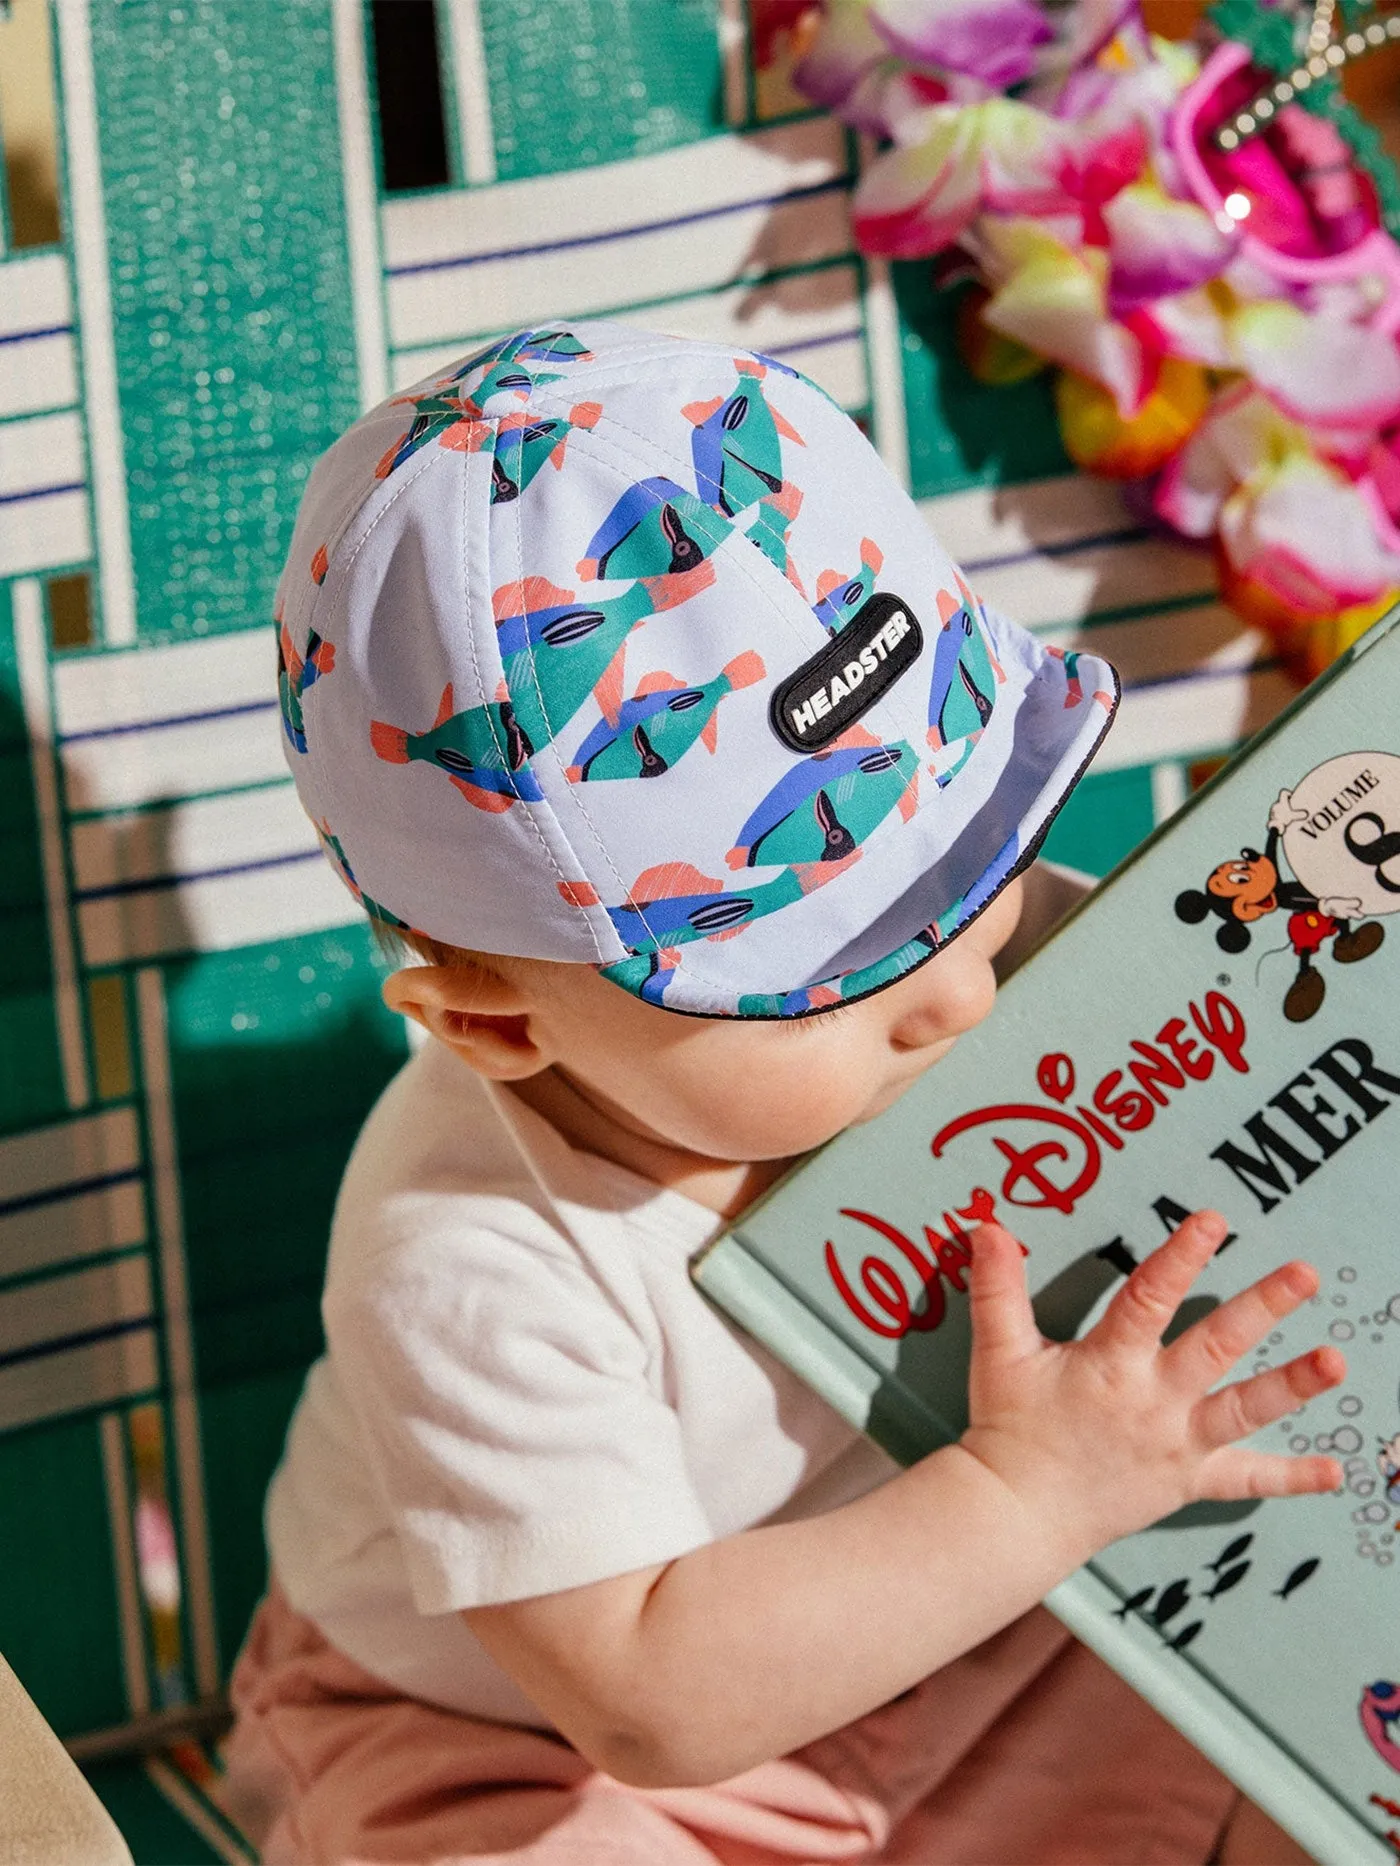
(788, 1100)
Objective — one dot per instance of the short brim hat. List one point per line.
(610, 647)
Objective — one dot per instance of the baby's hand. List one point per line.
(1108, 1434)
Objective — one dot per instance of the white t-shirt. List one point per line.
(522, 1390)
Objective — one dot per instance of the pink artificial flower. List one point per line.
(847, 66)
(157, 1557)
(1293, 528)
(1053, 298)
(1087, 29)
(1339, 378)
(1160, 246)
(1304, 536)
(1092, 308)
(1104, 165)
(1242, 435)
(1131, 82)
(961, 161)
(1383, 464)
(995, 41)
(1321, 370)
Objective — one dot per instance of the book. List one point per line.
(1218, 1024)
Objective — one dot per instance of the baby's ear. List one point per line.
(1192, 906)
(465, 986)
(485, 1017)
(1232, 937)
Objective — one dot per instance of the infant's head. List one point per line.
(614, 651)
(724, 1088)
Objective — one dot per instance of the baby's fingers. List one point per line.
(1140, 1311)
(1213, 1345)
(1002, 1322)
(1235, 1473)
(1236, 1411)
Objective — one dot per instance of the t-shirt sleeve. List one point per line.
(508, 1414)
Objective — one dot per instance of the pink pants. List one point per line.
(1027, 1751)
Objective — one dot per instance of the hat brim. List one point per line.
(948, 896)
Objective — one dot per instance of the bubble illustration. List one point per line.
(1349, 1405)
(1360, 1486)
(1346, 1275)
(1384, 1559)
(1340, 1331)
(1339, 1302)
(1374, 1513)
(1346, 1439)
(1392, 1308)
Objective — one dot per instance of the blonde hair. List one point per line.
(398, 942)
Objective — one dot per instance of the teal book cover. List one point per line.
(1218, 1025)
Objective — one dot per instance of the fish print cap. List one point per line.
(625, 649)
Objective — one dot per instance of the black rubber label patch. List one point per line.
(844, 679)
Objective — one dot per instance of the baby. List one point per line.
(635, 701)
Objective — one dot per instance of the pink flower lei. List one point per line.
(1200, 238)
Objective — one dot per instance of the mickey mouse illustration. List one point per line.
(1388, 1464)
(1251, 885)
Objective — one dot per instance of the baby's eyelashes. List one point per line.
(824, 1018)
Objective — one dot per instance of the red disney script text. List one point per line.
(1049, 1168)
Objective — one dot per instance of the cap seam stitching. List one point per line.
(597, 439)
(337, 606)
(698, 976)
(658, 943)
(552, 746)
(523, 803)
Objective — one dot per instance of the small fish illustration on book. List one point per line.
(1134, 1602)
(1231, 1552)
(1173, 1599)
(1230, 1578)
(1296, 1579)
